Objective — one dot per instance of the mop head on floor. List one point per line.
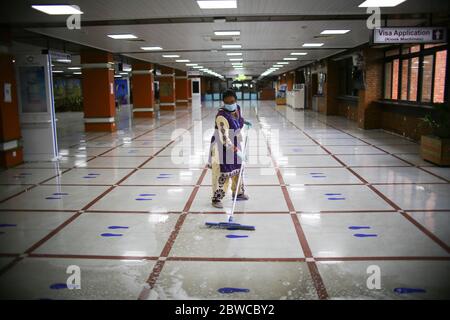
(229, 226)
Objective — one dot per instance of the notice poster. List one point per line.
(32, 89)
(166, 89)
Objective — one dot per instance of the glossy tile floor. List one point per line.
(335, 208)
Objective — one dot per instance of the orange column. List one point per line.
(181, 85)
(11, 153)
(167, 96)
(190, 90)
(142, 86)
(98, 91)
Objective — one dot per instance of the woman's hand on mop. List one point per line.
(240, 155)
(248, 123)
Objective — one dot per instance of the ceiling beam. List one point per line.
(234, 18)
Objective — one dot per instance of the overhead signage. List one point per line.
(397, 35)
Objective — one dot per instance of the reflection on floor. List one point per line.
(331, 203)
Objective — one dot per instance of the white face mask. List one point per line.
(230, 107)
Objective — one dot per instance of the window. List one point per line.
(395, 74)
(348, 78)
(427, 78)
(413, 79)
(416, 73)
(388, 80)
(439, 76)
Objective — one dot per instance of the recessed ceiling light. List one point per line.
(313, 44)
(290, 59)
(335, 31)
(234, 54)
(231, 46)
(57, 9)
(380, 3)
(217, 4)
(151, 48)
(122, 36)
(236, 59)
(191, 64)
(183, 60)
(227, 33)
(299, 53)
(170, 56)
(74, 68)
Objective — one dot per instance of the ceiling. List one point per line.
(270, 29)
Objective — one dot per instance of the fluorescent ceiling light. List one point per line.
(234, 54)
(57, 9)
(122, 36)
(57, 71)
(299, 53)
(125, 73)
(283, 62)
(117, 76)
(231, 46)
(220, 4)
(183, 60)
(290, 59)
(380, 3)
(74, 68)
(335, 31)
(198, 67)
(313, 44)
(64, 60)
(151, 48)
(191, 64)
(77, 73)
(170, 56)
(227, 33)
(236, 59)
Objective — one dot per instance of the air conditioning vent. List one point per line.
(221, 39)
(324, 37)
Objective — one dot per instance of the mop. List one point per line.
(230, 225)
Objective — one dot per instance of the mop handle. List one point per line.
(239, 178)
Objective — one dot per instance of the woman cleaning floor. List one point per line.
(226, 154)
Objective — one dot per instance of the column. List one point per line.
(142, 87)
(98, 91)
(11, 153)
(368, 113)
(167, 96)
(181, 88)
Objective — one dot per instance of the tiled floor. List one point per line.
(331, 203)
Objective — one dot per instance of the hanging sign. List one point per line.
(395, 35)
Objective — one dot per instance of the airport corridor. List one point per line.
(331, 205)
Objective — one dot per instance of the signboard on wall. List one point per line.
(397, 35)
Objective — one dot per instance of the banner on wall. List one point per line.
(121, 91)
(36, 107)
(398, 35)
